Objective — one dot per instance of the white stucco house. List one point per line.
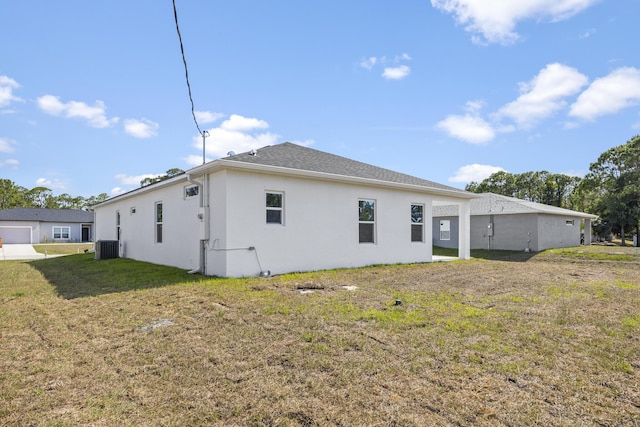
(36, 225)
(278, 209)
(501, 222)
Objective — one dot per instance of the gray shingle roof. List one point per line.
(46, 215)
(495, 204)
(293, 156)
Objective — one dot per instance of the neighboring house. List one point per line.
(34, 225)
(501, 222)
(282, 208)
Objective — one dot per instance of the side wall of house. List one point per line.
(557, 231)
(319, 230)
(510, 232)
(138, 227)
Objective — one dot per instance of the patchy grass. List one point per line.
(547, 339)
(63, 248)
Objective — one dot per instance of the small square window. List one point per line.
(191, 191)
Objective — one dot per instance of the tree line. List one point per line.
(15, 196)
(610, 190)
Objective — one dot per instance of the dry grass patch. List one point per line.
(551, 339)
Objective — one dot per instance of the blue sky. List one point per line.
(93, 95)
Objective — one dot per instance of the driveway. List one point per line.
(17, 251)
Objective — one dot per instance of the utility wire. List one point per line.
(186, 71)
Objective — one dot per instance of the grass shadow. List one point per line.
(502, 255)
(76, 276)
(493, 255)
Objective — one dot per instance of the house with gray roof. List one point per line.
(279, 209)
(35, 225)
(501, 222)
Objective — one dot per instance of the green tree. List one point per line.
(540, 187)
(169, 174)
(11, 195)
(613, 183)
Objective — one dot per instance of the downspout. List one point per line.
(200, 185)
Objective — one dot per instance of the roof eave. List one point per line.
(279, 170)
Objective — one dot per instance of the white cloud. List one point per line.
(94, 115)
(587, 34)
(469, 128)
(6, 145)
(12, 163)
(494, 21)
(195, 160)
(208, 117)
(544, 94)
(7, 85)
(474, 172)
(54, 184)
(607, 95)
(238, 134)
(143, 128)
(134, 179)
(237, 123)
(368, 63)
(117, 191)
(396, 73)
(393, 68)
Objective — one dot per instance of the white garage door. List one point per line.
(15, 234)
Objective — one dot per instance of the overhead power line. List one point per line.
(186, 72)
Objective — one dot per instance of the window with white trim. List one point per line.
(61, 232)
(445, 229)
(569, 222)
(191, 191)
(117, 225)
(366, 221)
(275, 207)
(417, 223)
(158, 221)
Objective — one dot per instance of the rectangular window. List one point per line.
(569, 222)
(61, 232)
(366, 221)
(274, 203)
(417, 221)
(191, 191)
(118, 225)
(445, 229)
(158, 222)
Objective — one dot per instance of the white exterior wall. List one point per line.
(180, 242)
(320, 229)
